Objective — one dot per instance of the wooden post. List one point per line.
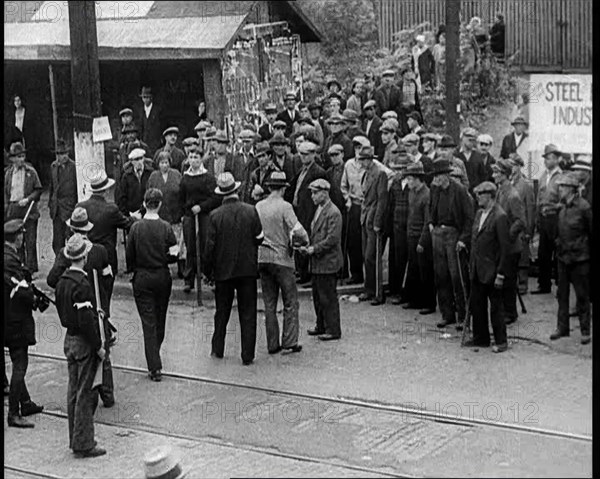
(53, 100)
(453, 68)
(85, 85)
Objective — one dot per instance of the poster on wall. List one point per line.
(560, 112)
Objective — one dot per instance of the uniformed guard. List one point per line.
(83, 347)
(19, 304)
(151, 246)
(573, 250)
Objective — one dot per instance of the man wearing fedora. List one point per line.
(170, 136)
(62, 197)
(471, 158)
(547, 206)
(388, 96)
(513, 142)
(509, 200)
(83, 347)
(107, 219)
(582, 168)
(573, 241)
(525, 191)
(150, 120)
(22, 187)
(290, 114)
(256, 184)
(19, 325)
(374, 186)
(489, 245)
(282, 232)
(231, 258)
(164, 462)
(97, 260)
(450, 219)
(371, 125)
(325, 253)
(337, 137)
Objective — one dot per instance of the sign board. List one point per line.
(560, 112)
(101, 129)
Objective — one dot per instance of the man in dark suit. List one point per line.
(371, 124)
(484, 143)
(325, 253)
(512, 141)
(222, 160)
(106, 219)
(266, 131)
(337, 137)
(471, 158)
(388, 96)
(290, 115)
(301, 197)
(489, 245)
(63, 194)
(133, 183)
(284, 161)
(372, 217)
(149, 120)
(231, 258)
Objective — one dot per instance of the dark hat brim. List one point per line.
(236, 186)
(11, 155)
(277, 184)
(85, 228)
(555, 152)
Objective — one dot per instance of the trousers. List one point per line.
(353, 240)
(451, 297)
(577, 274)
(18, 394)
(420, 285)
(548, 226)
(59, 234)
(523, 272)
(82, 400)
(327, 306)
(189, 237)
(480, 294)
(247, 294)
(509, 290)
(398, 241)
(372, 241)
(274, 277)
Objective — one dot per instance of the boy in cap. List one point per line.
(133, 183)
(177, 156)
(283, 159)
(83, 347)
(19, 332)
(126, 117)
(325, 253)
(489, 244)
(256, 182)
(574, 238)
(484, 144)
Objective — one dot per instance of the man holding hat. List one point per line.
(290, 114)
(509, 200)
(19, 325)
(371, 124)
(388, 96)
(266, 130)
(62, 196)
(150, 120)
(325, 253)
(388, 130)
(525, 191)
(97, 260)
(513, 142)
(83, 347)
(337, 137)
(450, 220)
(489, 245)
(22, 187)
(372, 219)
(471, 157)
(574, 238)
(548, 204)
(231, 257)
(282, 232)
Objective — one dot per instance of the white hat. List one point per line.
(136, 154)
(163, 462)
(420, 38)
(101, 182)
(307, 147)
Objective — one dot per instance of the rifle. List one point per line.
(24, 228)
(98, 376)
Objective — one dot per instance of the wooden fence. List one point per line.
(550, 35)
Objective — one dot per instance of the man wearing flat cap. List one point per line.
(510, 201)
(290, 114)
(134, 183)
(547, 206)
(445, 150)
(325, 254)
(489, 244)
(223, 160)
(471, 157)
(388, 96)
(126, 118)
(334, 176)
(574, 239)
(284, 161)
(515, 142)
(525, 191)
(338, 136)
(246, 159)
(150, 120)
(266, 131)
(170, 136)
(257, 189)
(353, 123)
(484, 144)
(371, 125)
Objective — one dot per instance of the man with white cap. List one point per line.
(133, 183)
(484, 144)
(177, 156)
(325, 253)
(388, 96)
(337, 137)
(83, 347)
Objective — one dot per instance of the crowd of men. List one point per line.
(309, 197)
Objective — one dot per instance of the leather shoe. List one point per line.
(155, 376)
(365, 297)
(410, 306)
(328, 337)
(18, 421)
(108, 404)
(30, 408)
(470, 343)
(585, 339)
(93, 452)
(275, 351)
(248, 362)
(500, 348)
(541, 291)
(314, 332)
(444, 323)
(427, 311)
(460, 326)
(377, 302)
(558, 334)
(293, 349)
(215, 355)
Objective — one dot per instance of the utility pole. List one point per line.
(453, 68)
(85, 87)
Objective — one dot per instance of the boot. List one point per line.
(29, 408)
(18, 421)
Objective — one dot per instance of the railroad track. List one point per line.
(29, 473)
(371, 405)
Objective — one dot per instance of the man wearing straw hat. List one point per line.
(63, 194)
(83, 347)
(164, 462)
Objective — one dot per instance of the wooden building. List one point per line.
(223, 53)
(553, 36)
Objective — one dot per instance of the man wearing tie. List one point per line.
(513, 141)
(290, 115)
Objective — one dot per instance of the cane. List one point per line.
(523, 309)
(466, 326)
(198, 263)
(345, 250)
(377, 266)
(25, 258)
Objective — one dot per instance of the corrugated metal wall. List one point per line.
(551, 35)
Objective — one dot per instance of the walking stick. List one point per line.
(377, 266)
(345, 250)
(523, 308)
(466, 327)
(198, 263)
(98, 376)
(25, 245)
